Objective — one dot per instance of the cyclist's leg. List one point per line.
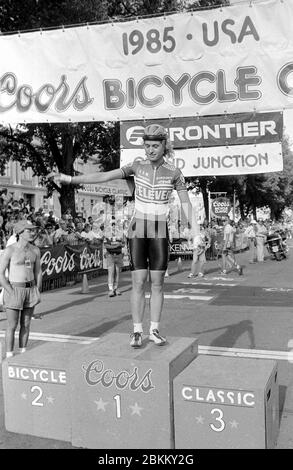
(139, 267)
(158, 260)
(137, 299)
(157, 295)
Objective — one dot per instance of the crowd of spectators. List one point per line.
(51, 230)
(76, 229)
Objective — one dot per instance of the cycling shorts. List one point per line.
(152, 253)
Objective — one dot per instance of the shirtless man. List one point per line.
(23, 285)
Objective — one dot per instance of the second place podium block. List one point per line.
(37, 391)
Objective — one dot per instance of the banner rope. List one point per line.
(114, 20)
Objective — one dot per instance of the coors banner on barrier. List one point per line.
(226, 60)
(235, 144)
(61, 259)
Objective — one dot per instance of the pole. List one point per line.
(209, 205)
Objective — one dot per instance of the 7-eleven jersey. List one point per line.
(153, 186)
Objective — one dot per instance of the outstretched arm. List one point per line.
(90, 178)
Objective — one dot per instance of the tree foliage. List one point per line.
(274, 190)
(45, 147)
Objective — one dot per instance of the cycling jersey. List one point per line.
(153, 187)
(148, 233)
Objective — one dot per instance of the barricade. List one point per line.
(123, 397)
(36, 391)
(226, 403)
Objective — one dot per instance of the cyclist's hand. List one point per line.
(60, 178)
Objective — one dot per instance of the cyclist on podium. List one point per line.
(155, 178)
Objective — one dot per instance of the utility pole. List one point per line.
(234, 203)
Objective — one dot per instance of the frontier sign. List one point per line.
(246, 143)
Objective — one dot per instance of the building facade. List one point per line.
(22, 184)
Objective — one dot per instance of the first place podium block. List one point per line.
(37, 393)
(122, 398)
(226, 403)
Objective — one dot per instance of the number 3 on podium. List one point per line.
(219, 419)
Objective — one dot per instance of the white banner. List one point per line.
(226, 60)
(233, 160)
(110, 188)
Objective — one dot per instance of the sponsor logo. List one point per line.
(36, 374)
(242, 398)
(96, 373)
(134, 135)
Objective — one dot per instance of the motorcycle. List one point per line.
(277, 245)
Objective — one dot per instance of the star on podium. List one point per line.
(136, 409)
(50, 400)
(101, 405)
(234, 424)
(199, 419)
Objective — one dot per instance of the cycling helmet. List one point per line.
(155, 132)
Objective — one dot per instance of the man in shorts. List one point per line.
(114, 257)
(228, 255)
(200, 244)
(23, 284)
(148, 244)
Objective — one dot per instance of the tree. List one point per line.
(47, 146)
(259, 190)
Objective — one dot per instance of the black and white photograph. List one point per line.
(146, 229)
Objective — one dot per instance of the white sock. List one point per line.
(110, 286)
(22, 350)
(137, 328)
(9, 354)
(154, 326)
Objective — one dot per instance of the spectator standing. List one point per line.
(61, 232)
(22, 287)
(79, 230)
(51, 218)
(201, 243)
(87, 233)
(114, 256)
(250, 232)
(261, 236)
(228, 254)
(43, 238)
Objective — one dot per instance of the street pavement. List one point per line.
(232, 315)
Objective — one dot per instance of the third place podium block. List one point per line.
(123, 397)
(226, 403)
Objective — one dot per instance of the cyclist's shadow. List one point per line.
(232, 333)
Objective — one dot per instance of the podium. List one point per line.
(226, 403)
(122, 398)
(37, 393)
